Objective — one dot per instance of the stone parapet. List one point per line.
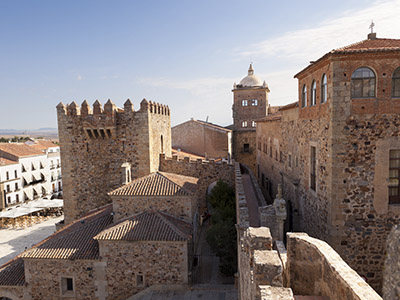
(314, 268)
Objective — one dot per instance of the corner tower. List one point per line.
(250, 103)
(98, 143)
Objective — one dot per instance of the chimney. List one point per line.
(372, 36)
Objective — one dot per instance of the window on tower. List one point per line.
(244, 103)
(254, 102)
(253, 123)
(244, 124)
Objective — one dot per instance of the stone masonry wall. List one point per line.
(201, 139)
(207, 172)
(159, 263)
(364, 130)
(182, 207)
(95, 142)
(314, 268)
(44, 277)
(391, 272)
(248, 158)
(14, 293)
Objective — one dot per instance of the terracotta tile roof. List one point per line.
(43, 144)
(20, 149)
(371, 46)
(75, 241)
(213, 125)
(158, 184)
(365, 46)
(186, 154)
(148, 226)
(269, 118)
(289, 106)
(12, 273)
(6, 162)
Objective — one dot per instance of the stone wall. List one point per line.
(349, 208)
(44, 278)
(207, 172)
(314, 268)
(158, 262)
(391, 272)
(14, 293)
(202, 139)
(248, 158)
(95, 142)
(182, 207)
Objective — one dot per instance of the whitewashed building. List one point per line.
(33, 170)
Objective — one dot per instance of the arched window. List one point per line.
(324, 89)
(313, 93)
(363, 83)
(244, 124)
(304, 96)
(396, 83)
(162, 144)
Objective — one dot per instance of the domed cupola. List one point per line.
(250, 80)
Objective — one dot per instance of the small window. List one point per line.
(244, 103)
(394, 177)
(254, 102)
(8, 188)
(16, 186)
(8, 200)
(313, 171)
(324, 89)
(304, 96)
(396, 83)
(15, 173)
(363, 83)
(313, 93)
(67, 285)
(253, 124)
(290, 161)
(244, 124)
(7, 175)
(246, 148)
(17, 198)
(139, 280)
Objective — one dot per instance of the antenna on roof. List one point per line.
(207, 119)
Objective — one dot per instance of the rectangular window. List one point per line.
(8, 200)
(67, 285)
(139, 280)
(15, 173)
(244, 124)
(244, 102)
(394, 176)
(254, 102)
(290, 161)
(313, 165)
(17, 198)
(253, 124)
(16, 186)
(7, 176)
(8, 188)
(246, 148)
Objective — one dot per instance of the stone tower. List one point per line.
(103, 148)
(250, 103)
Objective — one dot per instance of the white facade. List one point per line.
(10, 185)
(31, 176)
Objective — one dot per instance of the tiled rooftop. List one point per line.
(20, 149)
(159, 184)
(75, 241)
(148, 226)
(43, 144)
(370, 46)
(12, 273)
(182, 154)
(6, 162)
(269, 118)
(213, 125)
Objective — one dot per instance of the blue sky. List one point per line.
(186, 54)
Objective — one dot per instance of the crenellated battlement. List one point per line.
(110, 110)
